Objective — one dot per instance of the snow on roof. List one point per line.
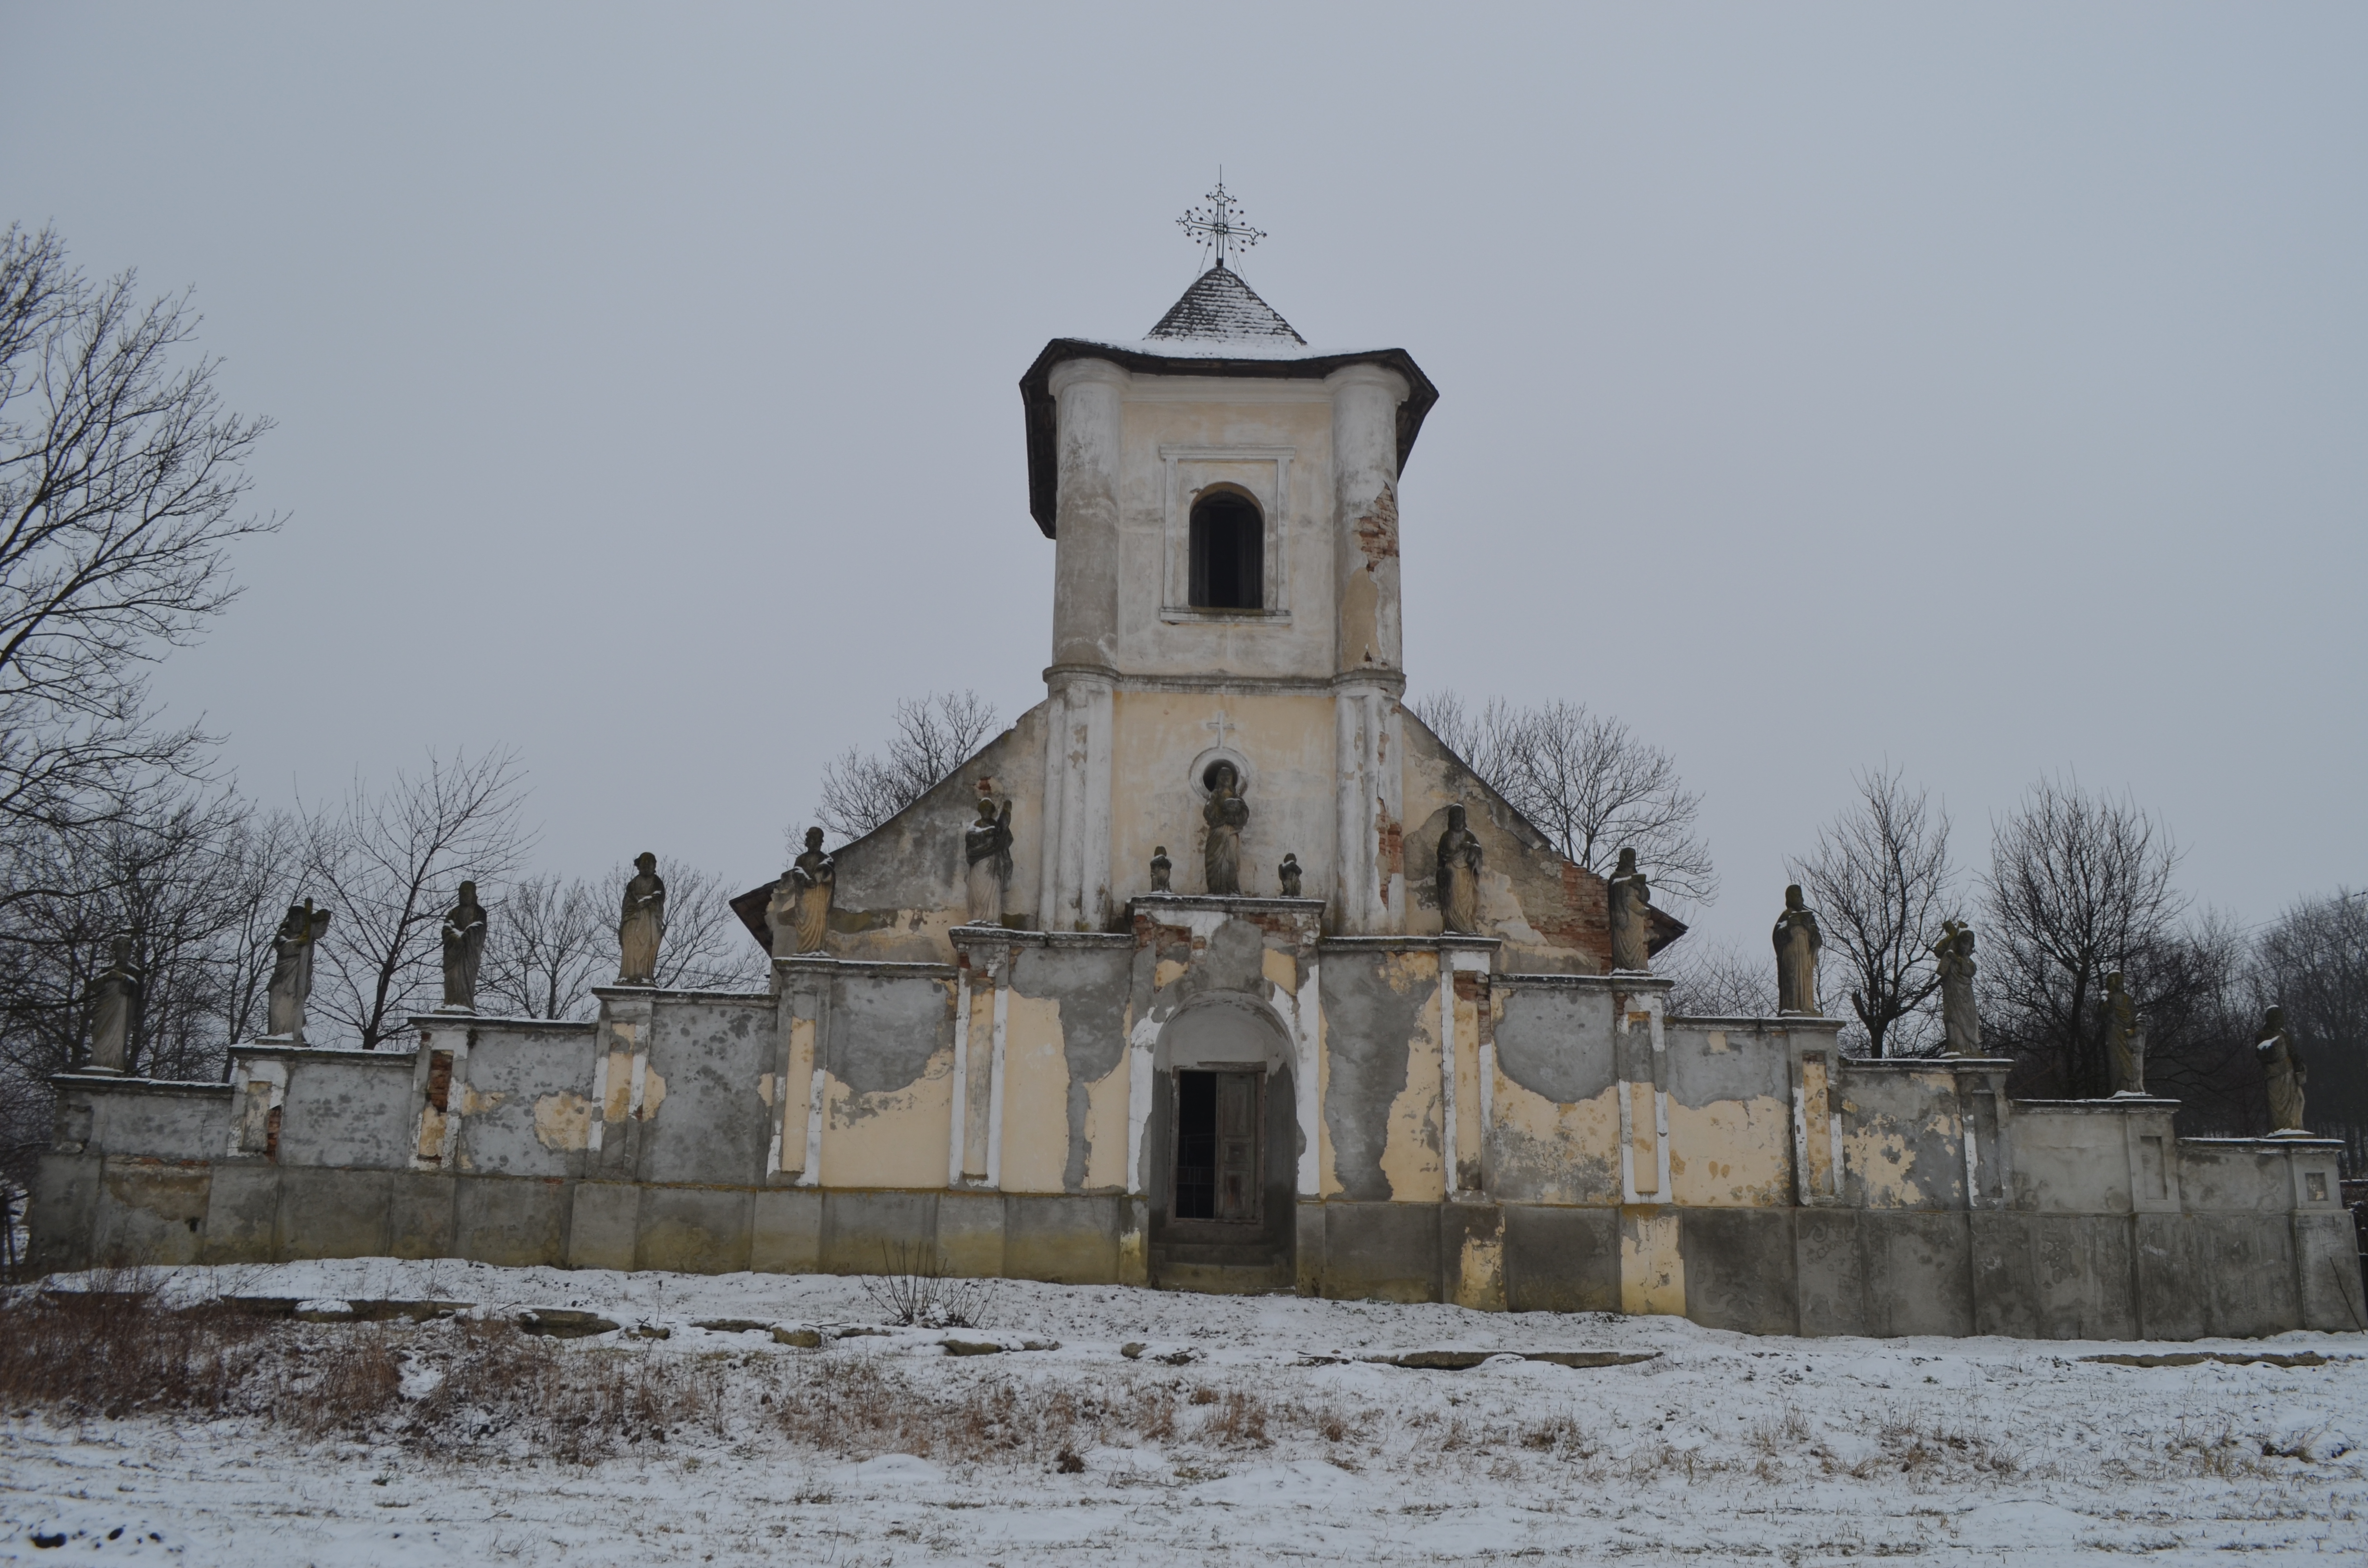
(1220, 308)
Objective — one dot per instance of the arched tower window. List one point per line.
(1228, 552)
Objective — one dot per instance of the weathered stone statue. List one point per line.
(114, 1012)
(464, 948)
(802, 899)
(1961, 1022)
(1226, 813)
(2283, 1068)
(291, 970)
(988, 845)
(1162, 868)
(1632, 919)
(1797, 941)
(1458, 875)
(2125, 1036)
(1288, 874)
(642, 924)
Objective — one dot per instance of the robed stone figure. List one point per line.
(1631, 915)
(1797, 941)
(799, 912)
(464, 949)
(1961, 1022)
(2282, 1071)
(1226, 813)
(641, 924)
(114, 1012)
(987, 846)
(1458, 875)
(2125, 1036)
(1288, 874)
(291, 970)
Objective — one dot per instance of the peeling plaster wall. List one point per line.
(1383, 1122)
(712, 1124)
(528, 1110)
(888, 1093)
(1903, 1141)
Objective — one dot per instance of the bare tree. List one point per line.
(121, 484)
(935, 734)
(1587, 782)
(1716, 981)
(1880, 881)
(2312, 962)
(548, 943)
(388, 864)
(2079, 885)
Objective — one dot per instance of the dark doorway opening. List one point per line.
(1218, 1117)
(1228, 552)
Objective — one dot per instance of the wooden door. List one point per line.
(1237, 1146)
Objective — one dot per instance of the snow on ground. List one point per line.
(1722, 1446)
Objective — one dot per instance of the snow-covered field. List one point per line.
(1242, 1430)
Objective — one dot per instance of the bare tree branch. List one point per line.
(935, 734)
(121, 484)
(1880, 880)
(1587, 783)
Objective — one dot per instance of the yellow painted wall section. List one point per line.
(1469, 1131)
(892, 1139)
(1731, 1153)
(978, 1093)
(1035, 1097)
(1282, 970)
(1412, 1157)
(1815, 1130)
(1652, 1272)
(1480, 1279)
(797, 1094)
(1546, 1152)
(1328, 1172)
(618, 1098)
(1106, 1128)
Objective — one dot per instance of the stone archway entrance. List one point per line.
(1224, 1150)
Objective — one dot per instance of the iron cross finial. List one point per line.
(1218, 228)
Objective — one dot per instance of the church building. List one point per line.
(1219, 971)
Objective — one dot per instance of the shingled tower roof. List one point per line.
(1220, 308)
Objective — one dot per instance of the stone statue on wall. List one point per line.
(1631, 917)
(1288, 874)
(464, 949)
(1226, 813)
(2125, 1036)
(1797, 941)
(114, 1012)
(291, 970)
(1162, 868)
(801, 914)
(986, 844)
(1961, 1022)
(2283, 1069)
(1458, 875)
(641, 924)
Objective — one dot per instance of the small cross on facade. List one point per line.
(1222, 726)
(1218, 228)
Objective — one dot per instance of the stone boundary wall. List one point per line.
(1759, 1181)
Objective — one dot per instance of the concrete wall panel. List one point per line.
(695, 1230)
(328, 1212)
(1562, 1259)
(785, 1231)
(514, 1221)
(1740, 1269)
(1387, 1252)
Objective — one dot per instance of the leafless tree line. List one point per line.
(2079, 885)
(199, 882)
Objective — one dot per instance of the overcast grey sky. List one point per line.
(1976, 387)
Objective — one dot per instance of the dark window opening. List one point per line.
(1228, 553)
(1217, 1124)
